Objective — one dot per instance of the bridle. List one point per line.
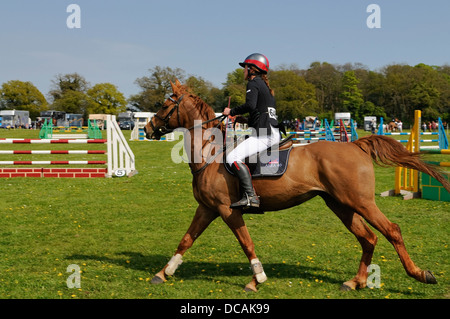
(161, 130)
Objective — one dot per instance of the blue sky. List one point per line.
(119, 41)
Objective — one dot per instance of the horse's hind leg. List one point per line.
(203, 217)
(391, 231)
(365, 236)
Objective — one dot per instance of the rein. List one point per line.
(220, 118)
(212, 158)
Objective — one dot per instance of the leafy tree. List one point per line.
(393, 91)
(431, 91)
(214, 97)
(220, 100)
(234, 87)
(69, 93)
(372, 87)
(201, 88)
(424, 92)
(236, 77)
(105, 98)
(18, 95)
(421, 87)
(352, 98)
(327, 81)
(370, 109)
(72, 102)
(295, 98)
(68, 82)
(155, 88)
(444, 89)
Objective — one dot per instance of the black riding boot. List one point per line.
(249, 199)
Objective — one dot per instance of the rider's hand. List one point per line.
(226, 111)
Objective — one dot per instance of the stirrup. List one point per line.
(246, 201)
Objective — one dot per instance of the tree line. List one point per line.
(323, 89)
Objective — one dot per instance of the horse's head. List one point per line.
(168, 117)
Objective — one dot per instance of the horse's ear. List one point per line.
(177, 82)
(174, 88)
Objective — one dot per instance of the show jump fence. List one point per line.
(119, 157)
(438, 137)
(340, 133)
(407, 181)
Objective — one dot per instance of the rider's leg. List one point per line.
(235, 159)
(245, 178)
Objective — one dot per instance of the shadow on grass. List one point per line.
(207, 271)
(192, 269)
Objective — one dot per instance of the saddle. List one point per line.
(269, 163)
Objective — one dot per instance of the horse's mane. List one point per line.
(204, 109)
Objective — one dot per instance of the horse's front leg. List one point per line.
(203, 217)
(233, 218)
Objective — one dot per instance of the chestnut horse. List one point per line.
(341, 173)
(392, 126)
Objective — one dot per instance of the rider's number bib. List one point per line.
(272, 113)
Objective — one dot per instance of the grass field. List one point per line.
(121, 231)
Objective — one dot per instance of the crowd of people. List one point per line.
(430, 126)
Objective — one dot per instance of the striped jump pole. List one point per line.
(422, 141)
(408, 133)
(302, 132)
(46, 152)
(308, 138)
(52, 162)
(51, 141)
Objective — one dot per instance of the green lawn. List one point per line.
(121, 231)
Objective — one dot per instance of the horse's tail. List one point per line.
(386, 151)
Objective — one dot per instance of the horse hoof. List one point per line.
(156, 280)
(344, 287)
(250, 288)
(429, 278)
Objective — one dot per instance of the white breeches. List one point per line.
(253, 145)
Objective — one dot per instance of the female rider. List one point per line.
(260, 104)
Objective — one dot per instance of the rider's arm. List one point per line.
(251, 98)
